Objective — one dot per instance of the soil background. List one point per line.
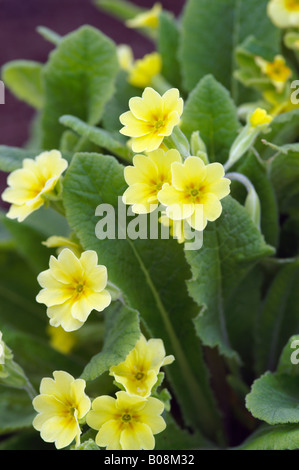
(20, 40)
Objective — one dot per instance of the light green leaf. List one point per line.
(78, 79)
(279, 437)
(210, 110)
(151, 275)
(23, 79)
(231, 247)
(274, 399)
(11, 158)
(98, 136)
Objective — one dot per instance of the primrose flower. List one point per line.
(144, 70)
(277, 71)
(138, 373)
(260, 118)
(195, 192)
(29, 184)
(284, 13)
(126, 423)
(151, 118)
(72, 288)
(148, 19)
(61, 404)
(146, 178)
(60, 339)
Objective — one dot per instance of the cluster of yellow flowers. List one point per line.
(127, 422)
(190, 190)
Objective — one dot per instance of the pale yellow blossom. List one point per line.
(126, 423)
(61, 404)
(28, 186)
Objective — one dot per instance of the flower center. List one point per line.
(126, 417)
(292, 5)
(139, 376)
(194, 192)
(79, 288)
(159, 124)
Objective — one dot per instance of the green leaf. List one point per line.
(167, 46)
(16, 411)
(121, 335)
(11, 158)
(211, 31)
(210, 110)
(23, 79)
(78, 79)
(274, 399)
(280, 437)
(278, 318)
(151, 275)
(231, 247)
(98, 136)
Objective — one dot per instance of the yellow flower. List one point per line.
(151, 118)
(284, 13)
(72, 288)
(143, 70)
(62, 242)
(195, 192)
(139, 372)
(260, 117)
(61, 404)
(146, 178)
(148, 19)
(29, 184)
(127, 422)
(61, 340)
(125, 56)
(277, 71)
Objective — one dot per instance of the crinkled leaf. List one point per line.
(210, 110)
(78, 79)
(274, 399)
(231, 247)
(23, 79)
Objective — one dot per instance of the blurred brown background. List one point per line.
(19, 40)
